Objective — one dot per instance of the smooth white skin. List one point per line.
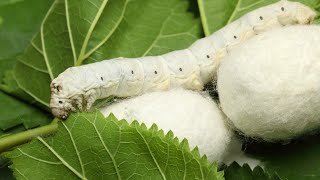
(192, 68)
(269, 87)
(188, 114)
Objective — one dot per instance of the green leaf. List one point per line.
(14, 113)
(76, 31)
(20, 19)
(295, 161)
(152, 28)
(90, 146)
(215, 14)
(6, 2)
(9, 85)
(5, 172)
(236, 172)
(6, 64)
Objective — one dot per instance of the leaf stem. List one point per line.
(231, 18)
(10, 141)
(90, 31)
(204, 19)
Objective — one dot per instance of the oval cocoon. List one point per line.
(269, 86)
(188, 114)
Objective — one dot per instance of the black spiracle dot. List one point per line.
(208, 56)
(101, 78)
(180, 69)
(282, 8)
(132, 72)
(235, 37)
(261, 18)
(155, 72)
(60, 102)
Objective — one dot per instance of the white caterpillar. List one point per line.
(191, 68)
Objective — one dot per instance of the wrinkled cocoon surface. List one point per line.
(188, 114)
(269, 87)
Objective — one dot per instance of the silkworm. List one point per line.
(191, 68)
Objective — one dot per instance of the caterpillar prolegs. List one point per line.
(191, 68)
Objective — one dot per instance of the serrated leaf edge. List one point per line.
(141, 127)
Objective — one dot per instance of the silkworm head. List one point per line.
(60, 107)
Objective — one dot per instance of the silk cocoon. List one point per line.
(188, 114)
(269, 87)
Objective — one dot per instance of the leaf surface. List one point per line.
(17, 116)
(6, 173)
(19, 20)
(6, 2)
(75, 32)
(236, 172)
(295, 161)
(90, 146)
(215, 14)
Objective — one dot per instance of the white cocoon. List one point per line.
(188, 114)
(269, 87)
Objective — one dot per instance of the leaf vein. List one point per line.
(36, 47)
(185, 166)
(251, 5)
(70, 33)
(109, 35)
(33, 67)
(151, 154)
(21, 174)
(89, 33)
(42, 40)
(30, 93)
(38, 159)
(66, 164)
(204, 19)
(158, 36)
(75, 147)
(234, 12)
(104, 145)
